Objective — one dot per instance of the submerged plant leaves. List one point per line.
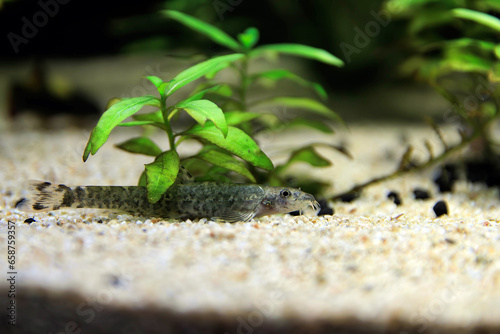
(300, 50)
(161, 174)
(227, 161)
(199, 70)
(140, 145)
(203, 110)
(212, 32)
(237, 142)
(114, 116)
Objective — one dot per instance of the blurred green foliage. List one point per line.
(454, 46)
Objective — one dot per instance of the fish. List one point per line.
(223, 202)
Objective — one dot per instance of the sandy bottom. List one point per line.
(373, 267)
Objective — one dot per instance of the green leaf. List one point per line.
(302, 103)
(249, 37)
(140, 145)
(223, 90)
(238, 117)
(203, 110)
(163, 88)
(214, 33)
(492, 4)
(278, 74)
(155, 116)
(301, 51)
(318, 125)
(497, 51)
(464, 62)
(142, 180)
(155, 80)
(161, 174)
(215, 174)
(494, 73)
(227, 161)
(112, 101)
(428, 20)
(464, 42)
(114, 116)
(481, 18)
(136, 123)
(237, 142)
(199, 70)
(306, 154)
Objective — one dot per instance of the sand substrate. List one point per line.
(373, 267)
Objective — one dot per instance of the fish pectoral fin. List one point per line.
(234, 216)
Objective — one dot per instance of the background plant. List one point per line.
(225, 136)
(456, 51)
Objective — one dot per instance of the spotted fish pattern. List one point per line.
(222, 202)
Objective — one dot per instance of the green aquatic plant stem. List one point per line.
(400, 172)
(170, 134)
(244, 82)
(166, 121)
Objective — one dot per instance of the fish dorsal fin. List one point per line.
(230, 216)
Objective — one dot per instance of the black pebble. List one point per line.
(440, 208)
(349, 197)
(29, 221)
(484, 171)
(116, 281)
(420, 193)
(395, 197)
(446, 177)
(325, 208)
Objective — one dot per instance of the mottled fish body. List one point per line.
(218, 201)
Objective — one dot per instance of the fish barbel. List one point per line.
(217, 201)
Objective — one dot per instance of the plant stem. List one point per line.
(399, 172)
(171, 140)
(244, 82)
(168, 127)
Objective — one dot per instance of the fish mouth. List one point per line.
(315, 206)
(311, 203)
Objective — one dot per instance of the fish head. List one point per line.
(284, 200)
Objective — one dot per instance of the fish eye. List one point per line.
(285, 193)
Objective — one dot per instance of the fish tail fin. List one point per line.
(42, 196)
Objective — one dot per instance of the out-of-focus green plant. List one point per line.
(456, 50)
(237, 106)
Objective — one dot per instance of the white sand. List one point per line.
(372, 267)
